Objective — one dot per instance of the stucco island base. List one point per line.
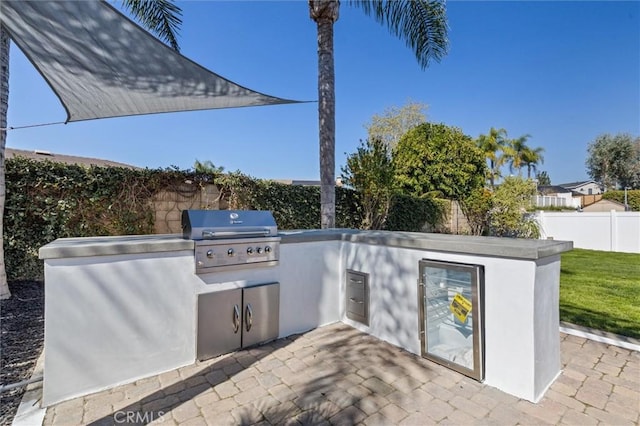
(118, 309)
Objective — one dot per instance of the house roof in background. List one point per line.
(304, 182)
(66, 159)
(552, 189)
(572, 185)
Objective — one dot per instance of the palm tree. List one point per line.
(517, 152)
(531, 157)
(494, 145)
(420, 23)
(162, 17)
(4, 106)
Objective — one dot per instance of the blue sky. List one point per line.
(563, 72)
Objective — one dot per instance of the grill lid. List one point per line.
(216, 224)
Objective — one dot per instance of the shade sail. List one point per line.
(101, 64)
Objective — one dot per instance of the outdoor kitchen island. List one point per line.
(118, 309)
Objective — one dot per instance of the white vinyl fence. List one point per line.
(553, 201)
(612, 231)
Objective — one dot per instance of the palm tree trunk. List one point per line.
(325, 13)
(4, 106)
(492, 174)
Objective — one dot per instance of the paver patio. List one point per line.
(338, 375)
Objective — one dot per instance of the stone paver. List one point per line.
(335, 375)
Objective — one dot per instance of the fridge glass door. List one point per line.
(451, 315)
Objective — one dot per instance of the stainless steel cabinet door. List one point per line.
(219, 323)
(260, 314)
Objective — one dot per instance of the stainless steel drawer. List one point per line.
(356, 307)
(357, 297)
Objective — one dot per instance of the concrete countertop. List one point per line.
(514, 248)
(486, 246)
(105, 246)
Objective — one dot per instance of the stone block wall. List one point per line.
(457, 222)
(169, 204)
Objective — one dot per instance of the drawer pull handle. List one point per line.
(236, 318)
(356, 301)
(248, 316)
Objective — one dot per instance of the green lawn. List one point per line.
(601, 290)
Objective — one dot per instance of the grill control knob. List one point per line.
(249, 251)
(259, 250)
(209, 254)
(230, 252)
(267, 249)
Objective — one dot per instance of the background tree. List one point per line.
(632, 198)
(421, 24)
(162, 17)
(207, 166)
(370, 172)
(614, 161)
(509, 206)
(634, 180)
(493, 145)
(531, 157)
(517, 153)
(436, 157)
(395, 122)
(476, 208)
(543, 178)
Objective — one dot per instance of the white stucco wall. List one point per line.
(546, 313)
(310, 276)
(114, 319)
(521, 317)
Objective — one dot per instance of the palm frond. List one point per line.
(422, 24)
(161, 17)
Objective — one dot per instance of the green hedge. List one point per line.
(47, 200)
(633, 198)
(412, 214)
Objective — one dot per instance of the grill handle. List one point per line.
(263, 232)
(248, 316)
(236, 318)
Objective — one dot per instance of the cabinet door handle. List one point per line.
(248, 316)
(354, 300)
(236, 318)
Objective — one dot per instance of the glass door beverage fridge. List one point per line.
(450, 297)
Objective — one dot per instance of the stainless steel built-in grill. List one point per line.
(232, 239)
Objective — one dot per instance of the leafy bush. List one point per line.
(293, 206)
(47, 200)
(409, 213)
(508, 215)
(477, 207)
(438, 158)
(633, 198)
(370, 172)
